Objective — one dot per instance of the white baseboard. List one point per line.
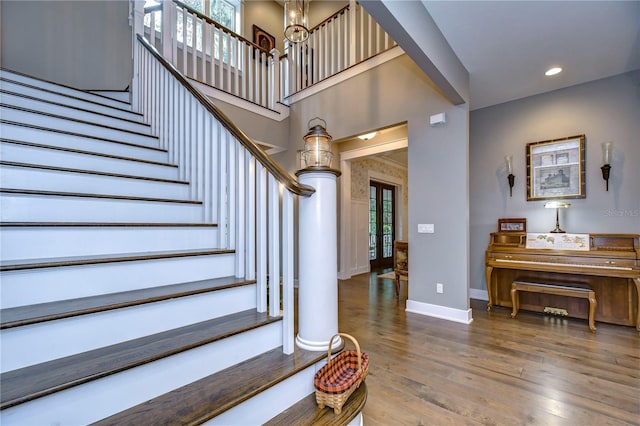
(442, 312)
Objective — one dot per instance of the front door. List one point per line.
(381, 224)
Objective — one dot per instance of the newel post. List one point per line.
(318, 246)
(274, 78)
(353, 8)
(169, 29)
(318, 275)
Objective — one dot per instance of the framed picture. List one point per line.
(263, 39)
(512, 225)
(555, 169)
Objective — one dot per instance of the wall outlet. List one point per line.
(439, 288)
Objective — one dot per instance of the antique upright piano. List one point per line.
(611, 266)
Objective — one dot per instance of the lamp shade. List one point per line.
(317, 146)
(508, 160)
(606, 152)
(556, 205)
(296, 20)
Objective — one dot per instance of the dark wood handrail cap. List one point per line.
(316, 169)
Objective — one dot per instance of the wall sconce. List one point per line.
(508, 159)
(557, 205)
(296, 20)
(317, 149)
(606, 159)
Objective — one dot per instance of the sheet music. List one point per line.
(557, 241)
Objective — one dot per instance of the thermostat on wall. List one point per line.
(437, 119)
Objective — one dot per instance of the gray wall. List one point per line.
(85, 44)
(438, 172)
(256, 126)
(603, 110)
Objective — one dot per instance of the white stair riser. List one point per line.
(104, 397)
(71, 101)
(270, 402)
(74, 113)
(63, 181)
(64, 90)
(33, 344)
(45, 242)
(89, 129)
(21, 208)
(122, 96)
(27, 287)
(74, 160)
(62, 140)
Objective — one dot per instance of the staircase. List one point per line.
(119, 304)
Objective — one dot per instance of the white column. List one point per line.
(317, 258)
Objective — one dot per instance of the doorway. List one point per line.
(382, 201)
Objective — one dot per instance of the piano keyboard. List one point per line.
(582, 265)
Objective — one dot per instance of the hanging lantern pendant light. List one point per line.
(296, 20)
(317, 142)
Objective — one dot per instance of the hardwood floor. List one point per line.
(533, 370)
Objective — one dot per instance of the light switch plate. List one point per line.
(426, 228)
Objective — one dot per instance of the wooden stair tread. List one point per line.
(102, 196)
(66, 132)
(14, 265)
(306, 411)
(76, 120)
(89, 172)
(32, 314)
(210, 396)
(109, 224)
(126, 105)
(91, 153)
(28, 383)
(76, 108)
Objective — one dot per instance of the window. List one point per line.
(225, 12)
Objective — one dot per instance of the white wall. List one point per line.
(84, 44)
(603, 110)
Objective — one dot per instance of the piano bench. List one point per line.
(583, 292)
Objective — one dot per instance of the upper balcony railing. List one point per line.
(346, 38)
(207, 52)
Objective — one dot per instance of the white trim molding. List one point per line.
(280, 114)
(350, 72)
(442, 312)
(345, 260)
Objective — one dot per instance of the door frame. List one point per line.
(345, 257)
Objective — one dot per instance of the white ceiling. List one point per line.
(506, 46)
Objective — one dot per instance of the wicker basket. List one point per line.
(341, 376)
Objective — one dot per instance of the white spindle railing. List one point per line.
(348, 37)
(207, 52)
(242, 190)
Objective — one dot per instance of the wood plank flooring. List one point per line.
(533, 370)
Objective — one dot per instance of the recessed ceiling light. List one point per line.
(368, 136)
(553, 71)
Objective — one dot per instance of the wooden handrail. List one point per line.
(278, 172)
(219, 26)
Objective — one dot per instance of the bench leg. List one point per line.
(592, 310)
(514, 301)
(397, 285)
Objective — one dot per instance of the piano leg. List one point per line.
(637, 283)
(515, 301)
(489, 289)
(592, 310)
